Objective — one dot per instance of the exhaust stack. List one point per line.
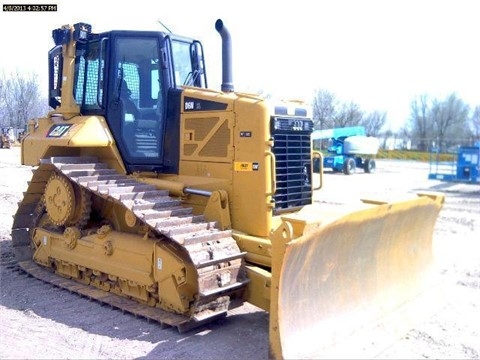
(227, 82)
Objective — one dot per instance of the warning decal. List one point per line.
(245, 166)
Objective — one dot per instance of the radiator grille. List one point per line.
(292, 151)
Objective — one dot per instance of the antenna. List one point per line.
(166, 28)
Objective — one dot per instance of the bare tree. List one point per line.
(3, 109)
(421, 125)
(349, 114)
(405, 135)
(20, 99)
(324, 107)
(387, 134)
(450, 119)
(475, 123)
(374, 123)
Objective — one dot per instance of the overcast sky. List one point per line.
(379, 54)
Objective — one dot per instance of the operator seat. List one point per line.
(129, 109)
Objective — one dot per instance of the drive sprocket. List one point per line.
(66, 203)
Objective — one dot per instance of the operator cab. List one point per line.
(133, 79)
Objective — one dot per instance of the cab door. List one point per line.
(135, 111)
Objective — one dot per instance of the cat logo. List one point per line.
(58, 130)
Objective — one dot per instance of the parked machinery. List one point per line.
(173, 201)
(7, 137)
(464, 168)
(348, 149)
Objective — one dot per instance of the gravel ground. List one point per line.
(38, 321)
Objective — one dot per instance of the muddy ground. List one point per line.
(39, 321)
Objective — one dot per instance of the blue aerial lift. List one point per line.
(349, 148)
(464, 168)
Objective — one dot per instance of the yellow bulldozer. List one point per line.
(176, 202)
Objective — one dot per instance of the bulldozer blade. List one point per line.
(354, 282)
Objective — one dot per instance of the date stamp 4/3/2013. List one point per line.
(29, 7)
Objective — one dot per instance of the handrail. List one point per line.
(318, 155)
(99, 71)
(274, 171)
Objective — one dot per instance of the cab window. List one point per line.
(139, 91)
